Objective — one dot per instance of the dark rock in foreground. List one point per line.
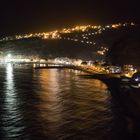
(127, 49)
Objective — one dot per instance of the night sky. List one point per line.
(27, 16)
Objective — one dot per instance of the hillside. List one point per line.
(123, 44)
(47, 48)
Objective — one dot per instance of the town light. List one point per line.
(9, 56)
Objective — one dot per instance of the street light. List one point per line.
(9, 56)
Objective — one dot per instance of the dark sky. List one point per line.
(44, 15)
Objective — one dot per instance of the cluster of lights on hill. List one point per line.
(84, 33)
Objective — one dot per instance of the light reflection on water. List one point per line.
(11, 115)
(10, 90)
(55, 105)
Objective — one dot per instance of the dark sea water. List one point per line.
(54, 104)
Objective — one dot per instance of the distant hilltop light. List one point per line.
(57, 34)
